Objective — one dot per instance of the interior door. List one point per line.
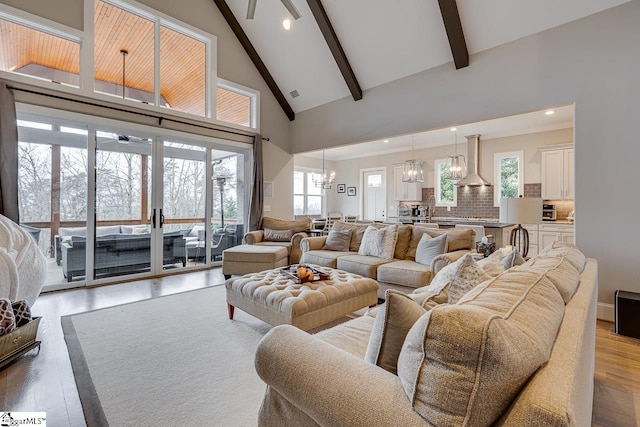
(374, 194)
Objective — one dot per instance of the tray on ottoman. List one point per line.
(18, 342)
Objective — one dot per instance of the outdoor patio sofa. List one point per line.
(120, 253)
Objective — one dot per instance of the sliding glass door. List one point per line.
(112, 202)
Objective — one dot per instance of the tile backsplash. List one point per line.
(476, 201)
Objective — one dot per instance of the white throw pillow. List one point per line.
(371, 241)
(492, 265)
(458, 278)
(429, 248)
(379, 243)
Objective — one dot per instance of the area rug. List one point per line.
(172, 360)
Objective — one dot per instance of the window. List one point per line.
(41, 53)
(236, 104)
(125, 53)
(136, 54)
(446, 194)
(307, 198)
(509, 175)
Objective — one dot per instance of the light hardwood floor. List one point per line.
(43, 381)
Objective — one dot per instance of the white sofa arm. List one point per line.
(329, 385)
(253, 237)
(312, 243)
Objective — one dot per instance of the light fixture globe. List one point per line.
(412, 171)
(457, 165)
(326, 179)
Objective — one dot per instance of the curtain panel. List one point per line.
(8, 155)
(257, 192)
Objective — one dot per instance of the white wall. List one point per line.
(593, 62)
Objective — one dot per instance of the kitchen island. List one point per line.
(492, 226)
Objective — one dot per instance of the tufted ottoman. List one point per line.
(276, 299)
(243, 259)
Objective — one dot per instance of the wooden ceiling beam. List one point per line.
(453, 26)
(255, 58)
(335, 47)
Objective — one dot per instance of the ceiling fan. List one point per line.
(251, 10)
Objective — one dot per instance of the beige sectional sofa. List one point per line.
(402, 272)
(516, 350)
(292, 232)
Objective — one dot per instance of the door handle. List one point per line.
(153, 219)
(161, 219)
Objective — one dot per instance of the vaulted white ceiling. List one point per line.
(385, 40)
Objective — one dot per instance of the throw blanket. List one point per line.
(22, 266)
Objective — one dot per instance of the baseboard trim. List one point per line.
(606, 312)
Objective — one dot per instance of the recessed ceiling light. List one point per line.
(386, 141)
(286, 24)
(453, 129)
(549, 112)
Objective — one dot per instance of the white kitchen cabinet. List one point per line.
(549, 233)
(532, 229)
(557, 170)
(405, 191)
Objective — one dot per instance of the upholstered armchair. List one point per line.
(278, 232)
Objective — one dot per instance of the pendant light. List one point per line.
(457, 164)
(412, 171)
(326, 180)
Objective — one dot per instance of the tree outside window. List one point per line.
(307, 197)
(509, 175)
(445, 189)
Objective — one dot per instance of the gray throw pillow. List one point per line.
(338, 240)
(393, 322)
(512, 259)
(429, 248)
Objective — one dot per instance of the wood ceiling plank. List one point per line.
(453, 26)
(255, 58)
(336, 48)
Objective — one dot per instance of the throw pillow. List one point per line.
(371, 241)
(429, 248)
(338, 240)
(558, 270)
(393, 321)
(277, 235)
(567, 250)
(389, 239)
(22, 312)
(464, 364)
(492, 265)
(458, 278)
(7, 318)
(512, 259)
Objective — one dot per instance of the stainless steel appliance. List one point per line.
(548, 212)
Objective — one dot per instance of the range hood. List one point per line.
(473, 178)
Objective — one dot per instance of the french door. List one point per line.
(116, 202)
(374, 194)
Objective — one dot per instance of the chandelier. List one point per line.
(412, 171)
(325, 180)
(457, 165)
